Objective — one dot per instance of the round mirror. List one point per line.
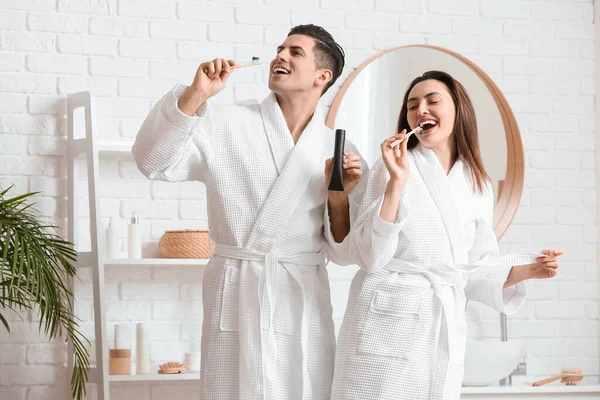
(368, 103)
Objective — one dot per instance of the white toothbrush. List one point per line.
(418, 130)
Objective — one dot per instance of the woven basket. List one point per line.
(185, 244)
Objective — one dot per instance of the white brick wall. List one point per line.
(129, 52)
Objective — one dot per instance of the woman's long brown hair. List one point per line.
(465, 125)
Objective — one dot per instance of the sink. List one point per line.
(487, 362)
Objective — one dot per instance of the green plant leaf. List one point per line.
(36, 267)
(4, 322)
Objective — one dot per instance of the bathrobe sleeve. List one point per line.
(171, 145)
(373, 241)
(485, 284)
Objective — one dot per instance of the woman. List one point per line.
(425, 244)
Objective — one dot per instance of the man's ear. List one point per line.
(323, 77)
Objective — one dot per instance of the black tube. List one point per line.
(337, 175)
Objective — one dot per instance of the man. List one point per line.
(267, 332)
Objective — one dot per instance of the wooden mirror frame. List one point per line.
(509, 190)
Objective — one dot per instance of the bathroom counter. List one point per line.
(580, 392)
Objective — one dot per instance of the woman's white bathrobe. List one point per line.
(266, 200)
(404, 331)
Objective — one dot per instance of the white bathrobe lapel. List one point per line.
(438, 185)
(296, 165)
(278, 134)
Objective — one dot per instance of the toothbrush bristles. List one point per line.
(418, 130)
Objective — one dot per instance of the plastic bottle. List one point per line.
(134, 239)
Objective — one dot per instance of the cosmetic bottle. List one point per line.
(112, 240)
(134, 238)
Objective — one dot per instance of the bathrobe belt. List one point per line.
(268, 279)
(439, 275)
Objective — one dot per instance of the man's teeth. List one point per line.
(282, 70)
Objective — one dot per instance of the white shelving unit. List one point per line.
(157, 262)
(155, 377)
(91, 150)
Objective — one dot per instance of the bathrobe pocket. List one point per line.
(391, 322)
(288, 311)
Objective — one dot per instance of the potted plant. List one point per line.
(36, 266)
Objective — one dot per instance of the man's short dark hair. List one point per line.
(328, 54)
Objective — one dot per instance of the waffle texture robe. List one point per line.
(404, 332)
(267, 331)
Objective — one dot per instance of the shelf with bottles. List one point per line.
(133, 257)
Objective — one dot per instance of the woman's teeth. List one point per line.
(428, 124)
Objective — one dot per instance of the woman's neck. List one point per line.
(447, 154)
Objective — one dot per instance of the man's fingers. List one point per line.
(354, 171)
(225, 65)
(349, 156)
(215, 68)
(350, 165)
(209, 69)
(552, 264)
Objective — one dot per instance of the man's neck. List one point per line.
(297, 109)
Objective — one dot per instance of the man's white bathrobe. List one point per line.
(267, 214)
(404, 331)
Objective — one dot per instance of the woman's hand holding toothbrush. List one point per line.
(396, 162)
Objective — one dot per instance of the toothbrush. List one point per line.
(418, 130)
(255, 62)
